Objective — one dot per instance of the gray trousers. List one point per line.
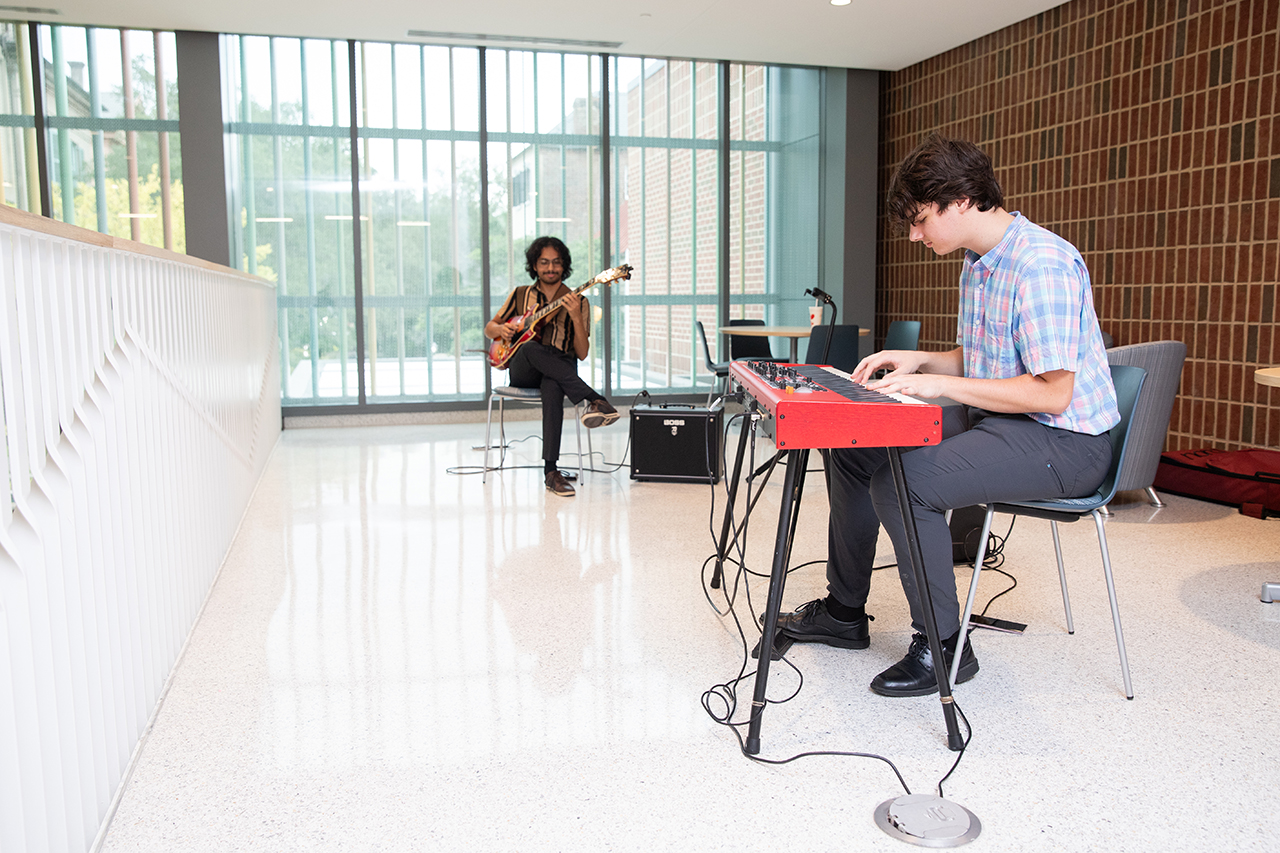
(983, 457)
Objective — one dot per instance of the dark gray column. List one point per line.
(204, 172)
(861, 199)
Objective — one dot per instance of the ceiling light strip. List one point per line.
(488, 37)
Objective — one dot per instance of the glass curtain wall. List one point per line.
(748, 175)
(420, 185)
(431, 226)
(111, 113)
(544, 135)
(288, 150)
(19, 166)
(664, 140)
(419, 227)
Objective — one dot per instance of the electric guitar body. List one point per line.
(531, 322)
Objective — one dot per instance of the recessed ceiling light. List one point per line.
(841, 2)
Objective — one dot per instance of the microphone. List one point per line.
(820, 294)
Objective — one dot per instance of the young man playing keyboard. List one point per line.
(1032, 378)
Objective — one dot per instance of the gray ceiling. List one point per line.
(873, 34)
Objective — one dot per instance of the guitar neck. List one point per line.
(553, 306)
(606, 277)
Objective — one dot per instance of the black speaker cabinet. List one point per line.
(679, 443)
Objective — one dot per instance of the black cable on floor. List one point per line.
(501, 466)
(721, 700)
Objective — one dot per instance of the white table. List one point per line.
(1268, 376)
(795, 333)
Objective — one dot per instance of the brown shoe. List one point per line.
(599, 413)
(558, 484)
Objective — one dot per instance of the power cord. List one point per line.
(502, 466)
(993, 559)
(721, 700)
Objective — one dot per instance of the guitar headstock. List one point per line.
(619, 273)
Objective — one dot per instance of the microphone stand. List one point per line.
(831, 331)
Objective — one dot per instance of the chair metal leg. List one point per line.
(1062, 577)
(724, 388)
(973, 591)
(1155, 499)
(577, 426)
(488, 422)
(1115, 608)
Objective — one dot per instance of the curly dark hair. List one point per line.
(535, 251)
(939, 171)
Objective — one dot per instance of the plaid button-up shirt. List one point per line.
(1026, 307)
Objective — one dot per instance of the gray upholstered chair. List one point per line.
(1163, 362)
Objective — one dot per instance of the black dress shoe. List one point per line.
(914, 675)
(557, 484)
(811, 623)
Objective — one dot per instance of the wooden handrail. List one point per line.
(45, 225)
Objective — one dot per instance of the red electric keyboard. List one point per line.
(806, 406)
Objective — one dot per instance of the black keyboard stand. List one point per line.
(788, 513)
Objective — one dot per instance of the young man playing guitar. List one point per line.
(549, 361)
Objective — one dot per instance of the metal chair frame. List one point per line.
(1128, 381)
(523, 395)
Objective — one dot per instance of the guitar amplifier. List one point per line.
(678, 443)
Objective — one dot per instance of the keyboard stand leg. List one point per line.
(954, 741)
(793, 486)
(748, 421)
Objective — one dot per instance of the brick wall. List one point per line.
(1146, 133)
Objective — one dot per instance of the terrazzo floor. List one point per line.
(398, 657)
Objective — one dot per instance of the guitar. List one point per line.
(500, 351)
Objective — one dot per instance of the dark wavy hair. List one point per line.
(939, 171)
(535, 250)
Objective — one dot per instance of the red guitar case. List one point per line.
(1248, 479)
